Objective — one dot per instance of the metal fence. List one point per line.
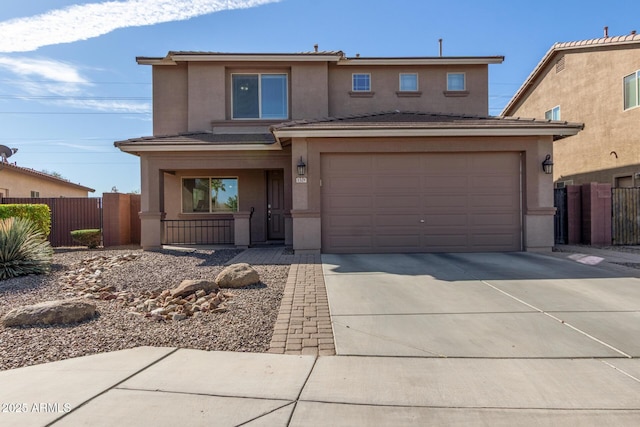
(198, 232)
(561, 220)
(67, 214)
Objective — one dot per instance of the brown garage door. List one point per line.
(421, 202)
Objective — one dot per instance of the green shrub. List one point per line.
(39, 214)
(90, 238)
(23, 249)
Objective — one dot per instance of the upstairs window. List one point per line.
(35, 194)
(408, 82)
(631, 88)
(553, 114)
(456, 82)
(259, 96)
(361, 82)
(209, 195)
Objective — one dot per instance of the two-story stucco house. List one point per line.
(335, 154)
(16, 181)
(595, 82)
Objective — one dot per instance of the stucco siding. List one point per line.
(589, 90)
(170, 100)
(432, 83)
(17, 184)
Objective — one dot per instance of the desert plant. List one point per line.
(23, 249)
(90, 237)
(39, 214)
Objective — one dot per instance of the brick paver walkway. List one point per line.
(304, 324)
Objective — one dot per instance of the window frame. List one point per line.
(464, 81)
(209, 198)
(624, 92)
(260, 113)
(417, 86)
(353, 82)
(552, 112)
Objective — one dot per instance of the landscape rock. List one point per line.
(58, 312)
(237, 276)
(187, 287)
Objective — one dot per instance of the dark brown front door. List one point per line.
(275, 205)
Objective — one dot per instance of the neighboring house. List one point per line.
(595, 82)
(335, 154)
(16, 181)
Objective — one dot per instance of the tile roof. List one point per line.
(38, 174)
(413, 119)
(201, 138)
(631, 40)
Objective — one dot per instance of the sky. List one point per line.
(70, 85)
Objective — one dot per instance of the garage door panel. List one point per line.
(382, 220)
(500, 202)
(444, 183)
(345, 184)
(349, 221)
(442, 220)
(397, 203)
(507, 221)
(392, 183)
(350, 202)
(395, 163)
(421, 202)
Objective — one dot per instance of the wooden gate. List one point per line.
(625, 222)
(67, 214)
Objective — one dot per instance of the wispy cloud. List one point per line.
(43, 68)
(81, 22)
(53, 82)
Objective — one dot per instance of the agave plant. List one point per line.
(23, 249)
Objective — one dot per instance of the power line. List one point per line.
(64, 113)
(99, 98)
(75, 82)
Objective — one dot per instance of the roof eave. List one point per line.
(135, 148)
(436, 60)
(556, 131)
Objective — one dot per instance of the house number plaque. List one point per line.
(301, 180)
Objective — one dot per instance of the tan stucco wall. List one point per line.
(189, 97)
(17, 184)
(170, 100)
(589, 90)
(385, 81)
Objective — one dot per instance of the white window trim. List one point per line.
(464, 74)
(637, 74)
(353, 89)
(551, 111)
(259, 95)
(400, 82)
(209, 177)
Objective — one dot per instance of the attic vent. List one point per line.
(560, 65)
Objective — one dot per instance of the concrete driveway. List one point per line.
(496, 305)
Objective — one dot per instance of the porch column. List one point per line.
(151, 214)
(539, 210)
(305, 214)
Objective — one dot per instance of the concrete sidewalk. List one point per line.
(170, 387)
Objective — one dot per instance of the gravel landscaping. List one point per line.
(246, 326)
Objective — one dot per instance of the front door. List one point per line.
(275, 205)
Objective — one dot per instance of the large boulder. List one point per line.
(187, 287)
(50, 313)
(237, 276)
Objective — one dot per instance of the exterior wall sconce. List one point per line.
(547, 165)
(302, 167)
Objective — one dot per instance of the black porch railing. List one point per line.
(198, 232)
